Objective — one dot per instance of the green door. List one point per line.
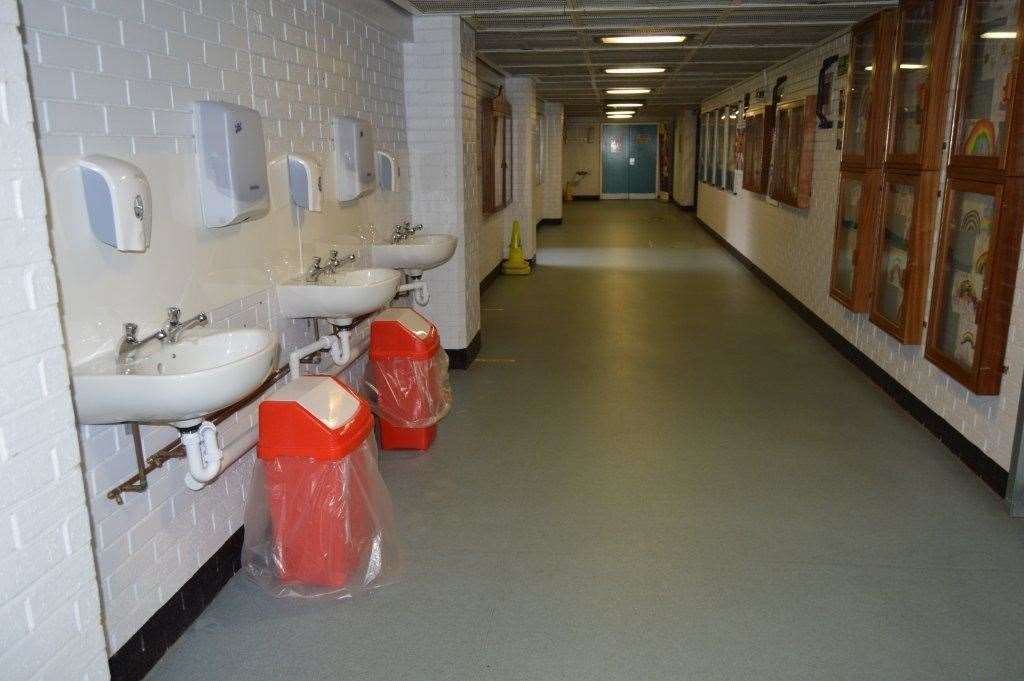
(629, 161)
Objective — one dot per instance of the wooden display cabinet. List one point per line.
(792, 164)
(757, 145)
(975, 276)
(987, 119)
(902, 254)
(495, 153)
(919, 91)
(853, 254)
(867, 97)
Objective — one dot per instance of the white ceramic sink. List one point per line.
(177, 383)
(349, 295)
(415, 254)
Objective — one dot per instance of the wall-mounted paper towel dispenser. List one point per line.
(118, 201)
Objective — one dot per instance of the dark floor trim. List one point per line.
(490, 277)
(143, 650)
(463, 357)
(549, 221)
(975, 459)
(587, 197)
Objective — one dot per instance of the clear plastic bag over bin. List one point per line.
(318, 519)
(409, 391)
(406, 380)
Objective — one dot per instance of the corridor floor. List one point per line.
(657, 471)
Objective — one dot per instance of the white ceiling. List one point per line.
(556, 42)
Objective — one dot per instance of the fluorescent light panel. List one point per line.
(999, 35)
(619, 115)
(641, 39)
(624, 70)
(624, 105)
(629, 91)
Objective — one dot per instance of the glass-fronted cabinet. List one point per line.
(988, 87)
(868, 88)
(853, 250)
(971, 293)
(757, 144)
(902, 258)
(918, 110)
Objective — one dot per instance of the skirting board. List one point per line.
(969, 453)
(549, 221)
(461, 358)
(143, 650)
(586, 197)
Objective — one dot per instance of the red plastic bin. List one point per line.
(399, 338)
(320, 526)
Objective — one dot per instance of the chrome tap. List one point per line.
(403, 231)
(315, 270)
(174, 327)
(334, 263)
(130, 342)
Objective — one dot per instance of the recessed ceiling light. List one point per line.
(635, 69)
(913, 67)
(620, 115)
(999, 35)
(869, 67)
(629, 91)
(642, 39)
(624, 105)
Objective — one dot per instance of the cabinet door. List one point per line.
(988, 58)
(962, 289)
(853, 249)
(920, 73)
(903, 254)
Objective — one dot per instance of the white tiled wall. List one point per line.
(554, 122)
(436, 91)
(684, 159)
(119, 77)
(49, 604)
(582, 151)
(795, 248)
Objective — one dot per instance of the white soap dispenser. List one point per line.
(306, 182)
(118, 200)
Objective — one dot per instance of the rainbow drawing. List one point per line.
(981, 263)
(981, 140)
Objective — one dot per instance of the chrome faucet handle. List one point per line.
(418, 227)
(317, 260)
(334, 254)
(173, 316)
(131, 330)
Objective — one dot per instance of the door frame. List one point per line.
(657, 163)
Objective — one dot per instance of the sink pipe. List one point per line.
(207, 459)
(419, 287)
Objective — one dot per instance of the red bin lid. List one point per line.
(313, 417)
(402, 332)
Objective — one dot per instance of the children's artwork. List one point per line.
(981, 140)
(966, 261)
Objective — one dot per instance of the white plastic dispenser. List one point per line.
(306, 182)
(353, 149)
(118, 201)
(387, 172)
(232, 159)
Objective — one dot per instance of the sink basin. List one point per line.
(179, 383)
(351, 294)
(416, 253)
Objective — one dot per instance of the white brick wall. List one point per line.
(438, 87)
(554, 122)
(795, 248)
(119, 77)
(49, 605)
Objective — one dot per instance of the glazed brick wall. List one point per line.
(119, 77)
(795, 248)
(49, 604)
